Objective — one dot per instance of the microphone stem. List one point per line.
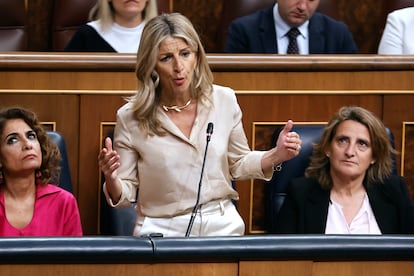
(196, 206)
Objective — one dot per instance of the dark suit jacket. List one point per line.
(305, 208)
(255, 33)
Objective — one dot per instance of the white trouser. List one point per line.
(216, 218)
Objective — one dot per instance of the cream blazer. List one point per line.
(166, 169)
(398, 36)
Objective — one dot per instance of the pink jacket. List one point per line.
(55, 213)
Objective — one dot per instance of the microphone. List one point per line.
(196, 206)
(209, 131)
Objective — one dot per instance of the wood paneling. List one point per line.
(80, 91)
(39, 14)
(243, 268)
(205, 16)
(94, 110)
(196, 269)
(364, 19)
(326, 268)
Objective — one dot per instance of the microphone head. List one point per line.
(209, 131)
(210, 128)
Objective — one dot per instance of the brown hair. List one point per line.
(382, 149)
(49, 169)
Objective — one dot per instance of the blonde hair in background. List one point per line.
(104, 12)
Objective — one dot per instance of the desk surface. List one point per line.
(207, 249)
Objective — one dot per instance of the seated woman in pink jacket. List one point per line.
(29, 204)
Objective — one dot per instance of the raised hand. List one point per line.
(108, 160)
(288, 143)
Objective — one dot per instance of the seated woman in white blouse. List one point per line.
(398, 33)
(349, 187)
(115, 26)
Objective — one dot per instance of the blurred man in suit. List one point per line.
(266, 31)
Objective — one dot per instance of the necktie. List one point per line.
(293, 44)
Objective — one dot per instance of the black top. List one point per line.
(87, 39)
(305, 208)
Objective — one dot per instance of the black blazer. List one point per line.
(305, 208)
(255, 33)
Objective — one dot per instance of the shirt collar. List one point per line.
(41, 190)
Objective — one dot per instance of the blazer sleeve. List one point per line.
(350, 46)
(391, 40)
(329, 36)
(237, 38)
(288, 217)
(392, 206)
(78, 41)
(406, 208)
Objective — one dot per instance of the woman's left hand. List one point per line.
(288, 143)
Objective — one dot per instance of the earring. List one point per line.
(155, 78)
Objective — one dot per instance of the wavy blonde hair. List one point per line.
(145, 102)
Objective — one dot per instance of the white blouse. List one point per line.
(363, 223)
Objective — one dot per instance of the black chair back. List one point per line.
(291, 169)
(116, 221)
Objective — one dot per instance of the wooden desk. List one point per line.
(227, 256)
(81, 93)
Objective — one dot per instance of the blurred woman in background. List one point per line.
(115, 26)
